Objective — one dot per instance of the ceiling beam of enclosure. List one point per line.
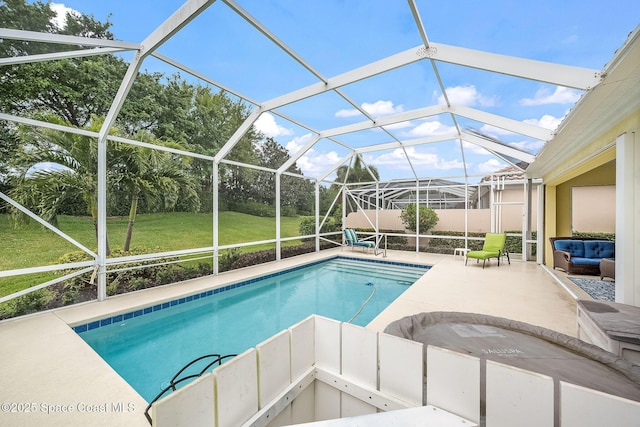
(35, 36)
(562, 75)
(59, 55)
(500, 148)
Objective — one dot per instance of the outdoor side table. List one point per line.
(608, 268)
(460, 251)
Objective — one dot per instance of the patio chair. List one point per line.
(352, 241)
(493, 248)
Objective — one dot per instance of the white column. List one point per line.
(466, 210)
(627, 219)
(318, 215)
(418, 216)
(492, 208)
(377, 230)
(540, 225)
(216, 206)
(526, 219)
(102, 219)
(278, 212)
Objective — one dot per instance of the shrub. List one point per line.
(253, 208)
(260, 257)
(136, 283)
(514, 243)
(603, 236)
(226, 260)
(254, 258)
(138, 275)
(26, 304)
(289, 211)
(308, 225)
(428, 217)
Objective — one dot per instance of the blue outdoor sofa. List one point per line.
(581, 255)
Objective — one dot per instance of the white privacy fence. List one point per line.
(321, 369)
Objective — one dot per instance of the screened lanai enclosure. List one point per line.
(219, 107)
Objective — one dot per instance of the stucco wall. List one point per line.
(479, 220)
(589, 198)
(449, 220)
(593, 208)
(602, 175)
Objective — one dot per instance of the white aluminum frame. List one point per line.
(563, 75)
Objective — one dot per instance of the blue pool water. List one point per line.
(149, 346)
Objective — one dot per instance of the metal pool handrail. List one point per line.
(175, 381)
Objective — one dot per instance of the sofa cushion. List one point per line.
(599, 249)
(576, 260)
(574, 247)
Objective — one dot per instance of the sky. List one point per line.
(336, 36)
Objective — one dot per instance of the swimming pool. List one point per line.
(148, 346)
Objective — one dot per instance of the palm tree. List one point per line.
(356, 172)
(56, 167)
(158, 177)
(59, 166)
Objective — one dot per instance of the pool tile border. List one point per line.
(84, 327)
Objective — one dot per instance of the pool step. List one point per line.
(379, 266)
(368, 270)
(379, 269)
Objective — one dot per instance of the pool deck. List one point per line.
(51, 377)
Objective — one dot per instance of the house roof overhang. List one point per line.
(598, 111)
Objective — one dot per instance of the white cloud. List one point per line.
(347, 113)
(266, 124)
(395, 158)
(312, 163)
(398, 160)
(399, 125)
(561, 95)
(494, 131)
(297, 143)
(489, 166)
(547, 121)
(60, 20)
(474, 148)
(430, 128)
(466, 95)
(528, 146)
(381, 108)
(377, 109)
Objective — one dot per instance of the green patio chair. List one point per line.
(493, 248)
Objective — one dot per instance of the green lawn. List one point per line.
(33, 245)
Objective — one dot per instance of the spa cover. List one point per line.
(525, 346)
